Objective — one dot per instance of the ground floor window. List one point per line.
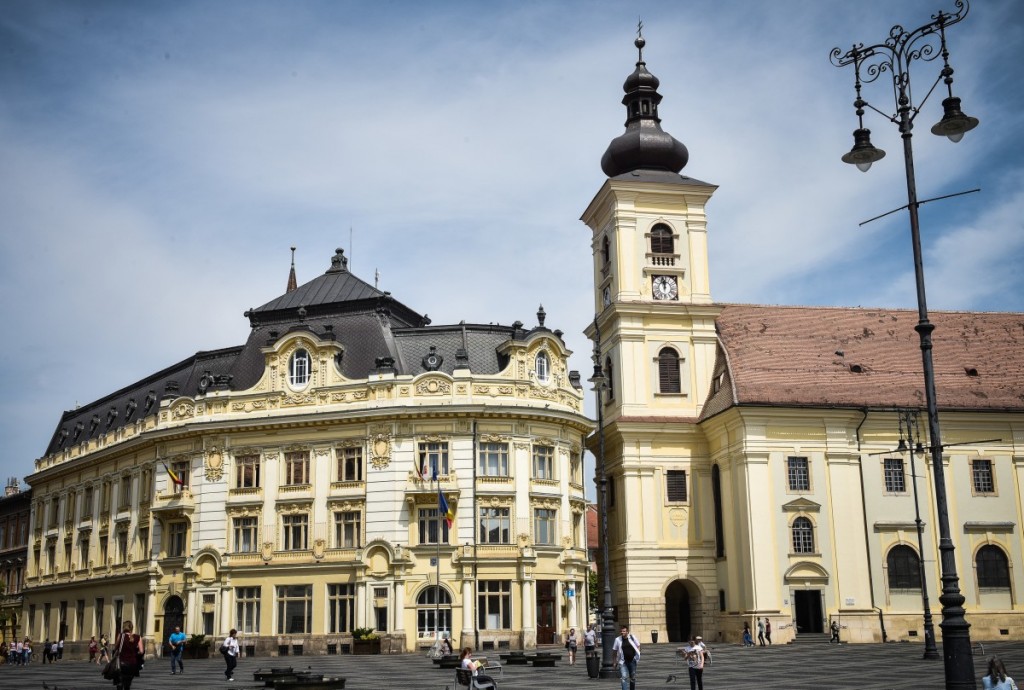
(341, 602)
(294, 609)
(494, 604)
(247, 609)
(433, 612)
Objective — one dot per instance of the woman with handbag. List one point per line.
(230, 651)
(129, 649)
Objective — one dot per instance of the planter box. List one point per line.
(366, 646)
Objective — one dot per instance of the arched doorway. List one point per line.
(174, 616)
(677, 612)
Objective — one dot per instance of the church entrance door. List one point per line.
(677, 612)
(808, 611)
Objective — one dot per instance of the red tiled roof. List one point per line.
(809, 356)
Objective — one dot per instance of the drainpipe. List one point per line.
(476, 582)
(867, 544)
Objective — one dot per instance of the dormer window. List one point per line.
(299, 369)
(543, 365)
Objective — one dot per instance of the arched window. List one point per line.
(606, 252)
(543, 367)
(298, 368)
(904, 568)
(610, 374)
(433, 612)
(803, 536)
(716, 494)
(668, 371)
(661, 240)
(993, 568)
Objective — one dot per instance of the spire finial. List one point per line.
(292, 282)
(640, 42)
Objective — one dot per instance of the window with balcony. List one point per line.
(430, 526)
(295, 532)
(247, 472)
(144, 543)
(122, 546)
(181, 469)
(296, 468)
(348, 529)
(83, 550)
(494, 459)
(543, 462)
(246, 534)
(350, 464)
(662, 241)
(494, 526)
(124, 495)
(433, 459)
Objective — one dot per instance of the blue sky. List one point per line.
(159, 158)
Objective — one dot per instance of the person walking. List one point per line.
(60, 649)
(694, 653)
(46, 652)
(94, 649)
(104, 652)
(572, 642)
(19, 653)
(760, 632)
(129, 649)
(589, 640)
(767, 630)
(177, 644)
(627, 655)
(996, 678)
(230, 651)
(748, 639)
(835, 632)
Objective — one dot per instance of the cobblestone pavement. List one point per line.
(802, 667)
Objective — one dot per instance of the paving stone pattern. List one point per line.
(796, 667)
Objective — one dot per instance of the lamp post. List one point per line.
(895, 56)
(912, 443)
(600, 382)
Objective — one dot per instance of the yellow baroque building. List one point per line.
(290, 487)
(756, 455)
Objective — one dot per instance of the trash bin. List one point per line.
(593, 665)
(654, 636)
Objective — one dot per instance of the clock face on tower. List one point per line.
(664, 287)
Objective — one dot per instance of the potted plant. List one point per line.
(365, 641)
(198, 647)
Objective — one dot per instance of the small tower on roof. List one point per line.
(293, 284)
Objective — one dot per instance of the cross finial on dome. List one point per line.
(640, 42)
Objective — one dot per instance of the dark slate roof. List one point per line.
(140, 399)
(661, 176)
(845, 357)
(480, 341)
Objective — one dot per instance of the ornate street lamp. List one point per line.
(895, 56)
(912, 443)
(600, 382)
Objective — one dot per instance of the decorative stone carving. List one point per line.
(337, 397)
(267, 551)
(350, 442)
(183, 410)
(523, 539)
(214, 464)
(493, 438)
(522, 445)
(299, 399)
(319, 546)
(433, 386)
(505, 390)
(322, 452)
(380, 450)
(359, 395)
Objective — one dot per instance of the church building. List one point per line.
(761, 459)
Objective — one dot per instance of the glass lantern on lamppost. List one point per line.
(894, 57)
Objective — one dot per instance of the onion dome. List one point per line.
(644, 145)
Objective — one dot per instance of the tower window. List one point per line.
(610, 373)
(675, 486)
(668, 371)
(299, 368)
(661, 240)
(606, 252)
(543, 367)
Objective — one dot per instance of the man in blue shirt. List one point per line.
(177, 642)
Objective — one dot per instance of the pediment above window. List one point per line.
(801, 505)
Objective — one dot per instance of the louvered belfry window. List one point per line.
(661, 240)
(675, 485)
(668, 371)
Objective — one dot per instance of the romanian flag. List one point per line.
(444, 509)
(174, 478)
